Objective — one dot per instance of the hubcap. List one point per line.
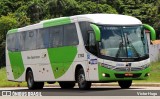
(30, 80)
(81, 79)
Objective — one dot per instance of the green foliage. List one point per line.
(6, 83)
(22, 19)
(71, 8)
(35, 11)
(19, 13)
(154, 74)
(56, 7)
(93, 7)
(5, 7)
(6, 23)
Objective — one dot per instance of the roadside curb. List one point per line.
(133, 84)
(113, 84)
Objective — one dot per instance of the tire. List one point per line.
(82, 83)
(125, 84)
(67, 85)
(31, 83)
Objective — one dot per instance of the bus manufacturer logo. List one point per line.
(128, 67)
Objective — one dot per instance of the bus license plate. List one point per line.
(128, 74)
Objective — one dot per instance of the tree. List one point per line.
(71, 8)
(22, 19)
(6, 23)
(56, 7)
(145, 10)
(35, 11)
(5, 7)
(93, 7)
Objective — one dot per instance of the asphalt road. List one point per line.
(94, 91)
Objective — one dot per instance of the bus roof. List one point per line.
(107, 19)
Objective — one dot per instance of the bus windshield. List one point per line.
(123, 41)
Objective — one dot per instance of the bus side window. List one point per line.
(17, 42)
(43, 38)
(92, 43)
(70, 35)
(11, 42)
(56, 36)
(30, 40)
(85, 26)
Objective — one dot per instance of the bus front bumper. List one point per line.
(112, 75)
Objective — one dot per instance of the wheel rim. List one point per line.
(81, 80)
(30, 80)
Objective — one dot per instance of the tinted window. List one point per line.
(91, 39)
(17, 42)
(21, 40)
(30, 40)
(85, 27)
(56, 36)
(11, 42)
(43, 38)
(70, 35)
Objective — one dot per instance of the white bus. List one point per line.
(85, 49)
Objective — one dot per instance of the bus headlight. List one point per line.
(103, 75)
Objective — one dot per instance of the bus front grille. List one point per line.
(121, 69)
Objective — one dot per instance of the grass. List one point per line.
(5, 83)
(154, 74)
(154, 77)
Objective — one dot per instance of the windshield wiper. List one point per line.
(120, 47)
(129, 43)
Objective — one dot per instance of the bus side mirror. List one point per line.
(152, 31)
(96, 31)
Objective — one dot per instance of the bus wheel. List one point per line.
(82, 83)
(67, 85)
(125, 84)
(31, 83)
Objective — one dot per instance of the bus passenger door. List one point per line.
(92, 57)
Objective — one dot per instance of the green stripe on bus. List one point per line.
(16, 64)
(56, 22)
(61, 59)
(12, 31)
